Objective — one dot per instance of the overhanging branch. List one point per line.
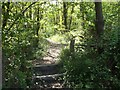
(17, 17)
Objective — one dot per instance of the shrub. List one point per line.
(88, 69)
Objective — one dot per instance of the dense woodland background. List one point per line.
(91, 31)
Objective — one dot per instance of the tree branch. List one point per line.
(17, 17)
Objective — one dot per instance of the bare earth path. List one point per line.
(52, 54)
(47, 71)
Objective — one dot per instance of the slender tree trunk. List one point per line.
(60, 16)
(82, 14)
(72, 45)
(99, 19)
(72, 41)
(38, 19)
(71, 17)
(99, 24)
(37, 29)
(55, 20)
(65, 14)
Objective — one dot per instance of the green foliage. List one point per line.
(19, 46)
(83, 70)
(87, 68)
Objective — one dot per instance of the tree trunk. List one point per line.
(37, 29)
(30, 13)
(82, 14)
(71, 17)
(72, 45)
(72, 41)
(38, 19)
(99, 24)
(65, 14)
(99, 19)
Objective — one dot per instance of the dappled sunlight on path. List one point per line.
(52, 53)
(47, 71)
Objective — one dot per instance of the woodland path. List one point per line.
(47, 71)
